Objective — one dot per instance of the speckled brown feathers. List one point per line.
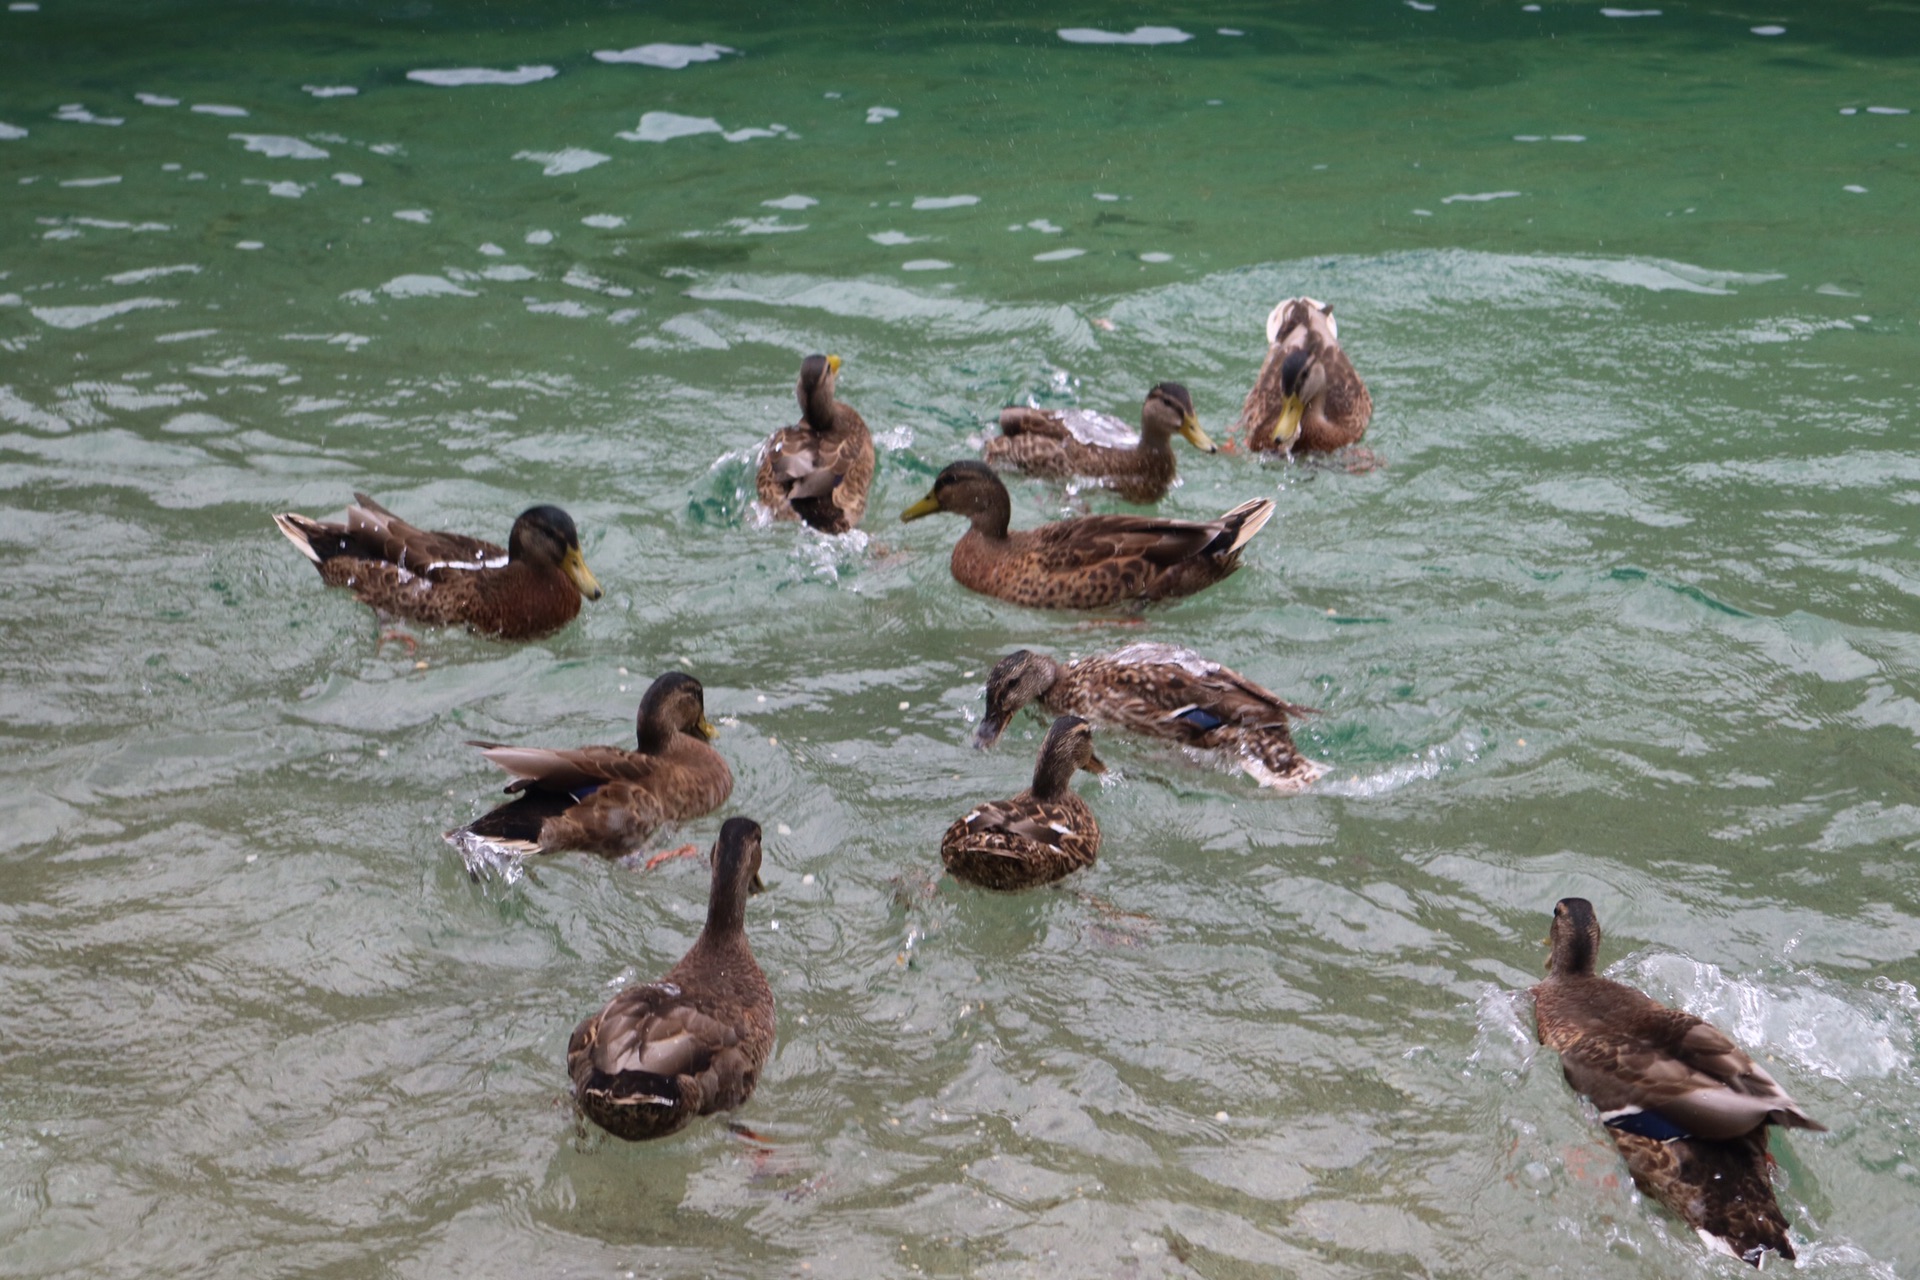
(602, 799)
(529, 589)
(1090, 562)
(1308, 397)
(1159, 691)
(1038, 836)
(819, 469)
(1045, 444)
(695, 1041)
(1685, 1106)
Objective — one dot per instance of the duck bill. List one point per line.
(758, 885)
(1095, 764)
(833, 364)
(927, 506)
(1190, 428)
(574, 565)
(1287, 429)
(991, 727)
(706, 730)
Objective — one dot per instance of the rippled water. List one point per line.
(1628, 613)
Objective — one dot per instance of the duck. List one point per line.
(1308, 397)
(694, 1042)
(1162, 691)
(1085, 562)
(1039, 836)
(529, 590)
(602, 799)
(1081, 443)
(1685, 1106)
(819, 469)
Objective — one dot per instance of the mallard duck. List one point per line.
(1087, 562)
(526, 591)
(1685, 1106)
(694, 1042)
(1039, 835)
(605, 800)
(818, 470)
(1161, 691)
(1308, 397)
(1078, 442)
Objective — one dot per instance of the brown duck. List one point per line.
(1041, 834)
(1159, 691)
(694, 1042)
(1088, 562)
(1079, 443)
(530, 589)
(1308, 398)
(819, 469)
(1686, 1107)
(605, 800)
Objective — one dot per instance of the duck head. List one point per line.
(1069, 747)
(818, 377)
(971, 489)
(1020, 678)
(1574, 939)
(675, 703)
(1168, 412)
(546, 536)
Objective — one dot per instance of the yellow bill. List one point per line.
(706, 728)
(927, 506)
(1190, 428)
(1285, 430)
(574, 565)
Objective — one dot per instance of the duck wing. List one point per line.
(375, 533)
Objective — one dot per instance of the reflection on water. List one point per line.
(1626, 613)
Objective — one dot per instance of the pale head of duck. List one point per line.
(1020, 678)
(1292, 319)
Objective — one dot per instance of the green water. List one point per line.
(1629, 612)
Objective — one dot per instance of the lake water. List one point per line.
(1628, 612)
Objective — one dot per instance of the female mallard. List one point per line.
(1039, 835)
(1061, 446)
(1308, 397)
(1087, 562)
(818, 470)
(1162, 691)
(530, 589)
(694, 1042)
(605, 800)
(1686, 1107)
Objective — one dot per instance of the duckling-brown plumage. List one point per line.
(694, 1042)
(1308, 397)
(819, 469)
(1160, 691)
(529, 589)
(1686, 1107)
(1038, 836)
(1057, 446)
(605, 800)
(1088, 562)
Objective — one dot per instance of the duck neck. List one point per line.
(655, 736)
(1053, 775)
(726, 915)
(992, 518)
(817, 409)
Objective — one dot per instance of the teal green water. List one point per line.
(1629, 612)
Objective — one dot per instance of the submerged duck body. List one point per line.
(1088, 562)
(1308, 397)
(1686, 1107)
(819, 469)
(530, 588)
(602, 799)
(1159, 691)
(694, 1042)
(1044, 833)
(1078, 444)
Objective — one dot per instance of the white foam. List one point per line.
(279, 146)
(185, 335)
(286, 190)
(151, 273)
(81, 317)
(330, 90)
(349, 179)
(451, 77)
(925, 264)
(1479, 198)
(764, 226)
(662, 126)
(75, 113)
(1889, 111)
(1057, 255)
(1105, 197)
(249, 244)
(745, 135)
(1569, 137)
(1231, 31)
(569, 160)
(23, 6)
(944, 202)
(218, 109)
(790, 202)
(1044, 227)
(540, 237)
(1156, 256)
(507, 272)
(493, 250)
(877, 115)
(1529, 137)
(422, 216)
(1629, 13)
(896, 237)
(669, 57)
(155, 100)
(1139, 35)
(11, 132)
(1769, 31)
(107, 181)
(604, 221)
(1424, 8)
(422, 286)
(566, 307)
(1849, 111)
(1856, 189)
